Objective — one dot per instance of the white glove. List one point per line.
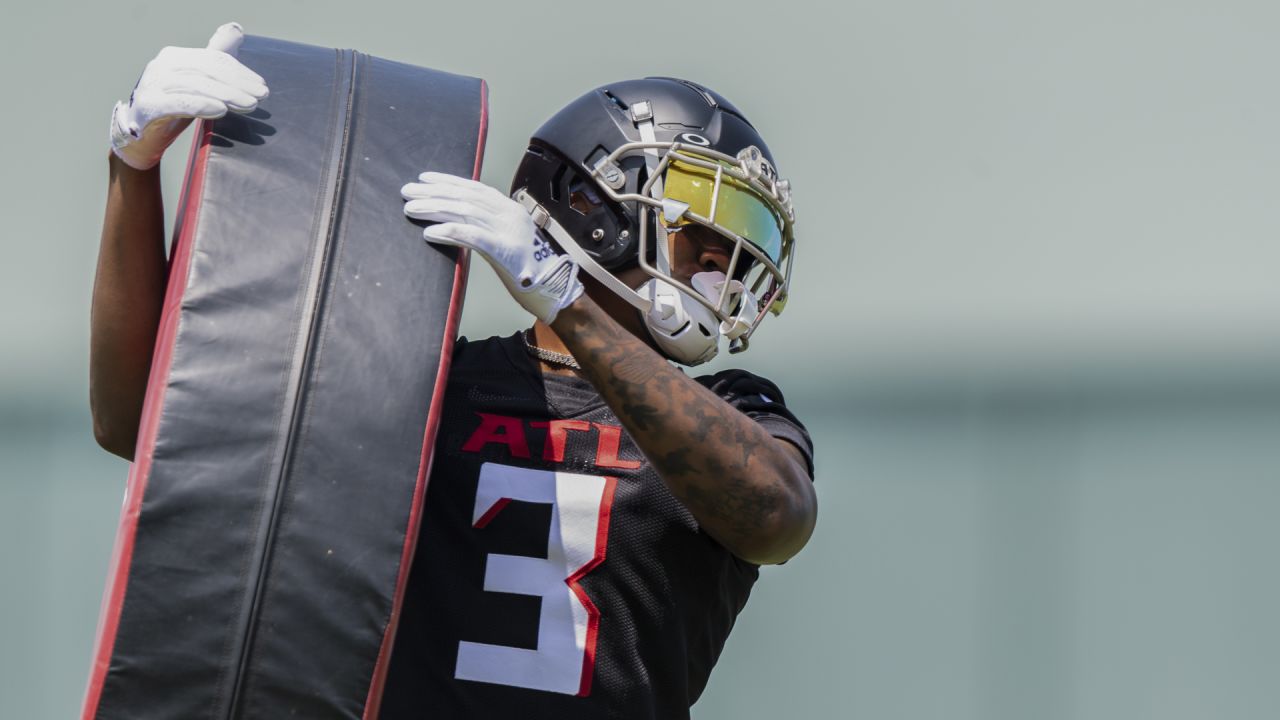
(180, 84)
(474, 215)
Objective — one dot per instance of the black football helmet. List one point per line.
(612, 175)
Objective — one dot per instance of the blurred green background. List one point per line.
(1033, 330)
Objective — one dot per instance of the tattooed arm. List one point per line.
(747, 489)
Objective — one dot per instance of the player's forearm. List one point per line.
(746, 488)
(128, 292)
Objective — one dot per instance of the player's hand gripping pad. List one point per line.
(272, 507)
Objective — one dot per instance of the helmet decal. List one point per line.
(694, 139)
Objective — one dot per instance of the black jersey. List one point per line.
(555, 575)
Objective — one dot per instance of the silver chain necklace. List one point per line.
(548, 356)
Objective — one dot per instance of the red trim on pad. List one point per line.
(161, 359)
(374, 699)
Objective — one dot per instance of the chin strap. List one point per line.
(543, 220)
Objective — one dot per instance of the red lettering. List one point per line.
(510, 431)
(499, 429)
(557, 433)
(607, 449)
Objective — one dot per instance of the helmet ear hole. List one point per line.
(580, 203)
(583, 197)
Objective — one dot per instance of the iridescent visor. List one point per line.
(737, 208)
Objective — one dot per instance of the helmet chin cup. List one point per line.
(684, 329)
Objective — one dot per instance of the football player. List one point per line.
(595, 517)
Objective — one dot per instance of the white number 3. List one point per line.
(565, 656)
